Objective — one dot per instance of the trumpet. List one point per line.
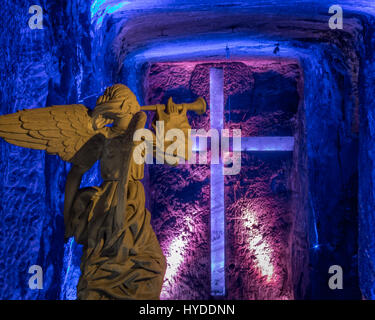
(199, 106)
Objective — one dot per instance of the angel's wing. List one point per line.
(61, 130)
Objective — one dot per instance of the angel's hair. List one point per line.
(116, 102)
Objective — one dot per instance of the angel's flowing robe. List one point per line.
(123, 262)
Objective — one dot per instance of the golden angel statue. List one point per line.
(122, 258)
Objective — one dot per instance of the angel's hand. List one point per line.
(100, 122)
(172, 116)
(172, 108)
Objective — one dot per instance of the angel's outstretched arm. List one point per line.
(73, 183)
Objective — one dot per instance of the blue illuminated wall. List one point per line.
(366, 255)
(29, 226)
(39, 68)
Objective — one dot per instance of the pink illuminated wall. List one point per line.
(258, 202)
(259, 223)
(180, 215)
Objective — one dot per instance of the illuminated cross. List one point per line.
(217, 178)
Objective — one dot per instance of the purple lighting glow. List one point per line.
(252, 256)
(266, 144)
(258, 246)
(175, 256)
(261, 249)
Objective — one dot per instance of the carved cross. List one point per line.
(272, 144)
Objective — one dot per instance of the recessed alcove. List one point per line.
(262, 99)
(290, 215)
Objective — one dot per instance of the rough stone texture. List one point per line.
(332, 61)
(366, 167)
(180, 207)
(39, 68)
(27, 66)
(72, 60)
(180, 198)
(258, 201)
(259, 225)
(332, 162)
(303, 228)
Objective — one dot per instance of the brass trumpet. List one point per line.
(199, 106)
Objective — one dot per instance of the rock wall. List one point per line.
(29, 226)
(322, 194)
(366, 162)
(332, 146)
(40, 67)
(258, 202)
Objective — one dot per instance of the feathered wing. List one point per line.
(61, 130)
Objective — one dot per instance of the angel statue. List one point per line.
(122, 258)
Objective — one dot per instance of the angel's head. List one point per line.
(117, 105)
